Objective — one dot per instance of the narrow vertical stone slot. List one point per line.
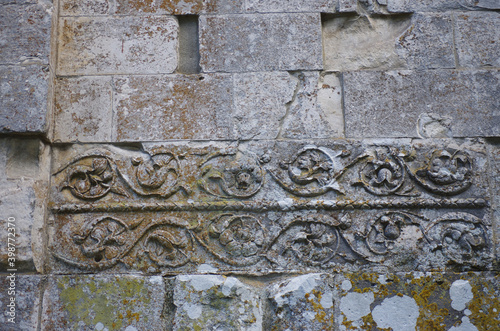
(189, 47)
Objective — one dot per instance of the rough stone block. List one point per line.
(478, 39)
(348, 6)
(494, 152)
(82, 109)
(240, 43)
(396, 6)
(273, 6)
(173, 107)
(302, 303)
(117, 45)
(103, 302)
(419, 301)
(27, 301)
(23, 101)
(382, 42)
(25, 33)
(206, 302)
(85, 7)
(432, 104)
(182, 7)
(316, 109)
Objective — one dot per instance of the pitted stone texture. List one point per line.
(27, 290)
(478, 39)
(347, 6)
(396, 6)
(439, 103)
(240, 43)
(272, 6)
(23, 101)
(382, 42)
(173, 107)
(418, 301)
(25, 32)
(82, 109)
(261, 103)
(302, 303)
(100, 302)
(316, 109)
(494, 153)
(210, 302)
(117, 45)
(178, 7)
(85, 7)
(23, 197)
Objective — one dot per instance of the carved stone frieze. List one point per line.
(270, 207)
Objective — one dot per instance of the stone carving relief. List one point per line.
(170, 209)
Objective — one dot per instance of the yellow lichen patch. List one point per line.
(485, 306)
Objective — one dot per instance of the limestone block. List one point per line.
(210, 302)
(302, 303)
(27, 290)
(486, 4)
(260, 42)
(23, 102)
(418, 301)
(179, 7)
(477, 39)
(85, 7)
(117, 45)
(432, 104)
(82, 109)
(316, 109)
(272, 6)
(25, 32)
(430, 5)
(104, 302)
(383, 42)
(261, 103)
(173, 107)
(494, 152)
(347, 6)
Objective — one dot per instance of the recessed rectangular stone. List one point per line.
(478, 39)
(100, 302)
(82, 109)
(85, 7)
(117, 45)
(23, 102)
(273, 6)
(25, 31)
(240, 43)
(173, 107)
(382, 42)
(431, 104)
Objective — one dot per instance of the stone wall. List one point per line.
(250, 165)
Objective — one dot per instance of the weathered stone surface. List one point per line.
(347, 6)
(477, 39)
(27, 290)
(117, 45)
(85, 7)
(261, 102)
(179, 7)
(82, 110)
(419, 301)
(396, 6)
(258, 43)
(316, 109)
(383, 42)
(432, 104)
(272, 6)
(173, 107)
(100, 302)
(302, 303)
(23, 177)
(494, 153)
(23, 101)
(209, 302)
(32, 22)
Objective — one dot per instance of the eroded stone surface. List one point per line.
(302, 303)
(206, 302)
(99, 302)
(83, 109)
(23, 101)
(390, 104)
(477, 39)
(117, 45)
(258, 43)
(26, 290)
(418, 301)
(173, 107)
(268, 6)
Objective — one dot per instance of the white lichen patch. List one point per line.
(356, 305)
(398, 313)
(460, 294)
(465, 326)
